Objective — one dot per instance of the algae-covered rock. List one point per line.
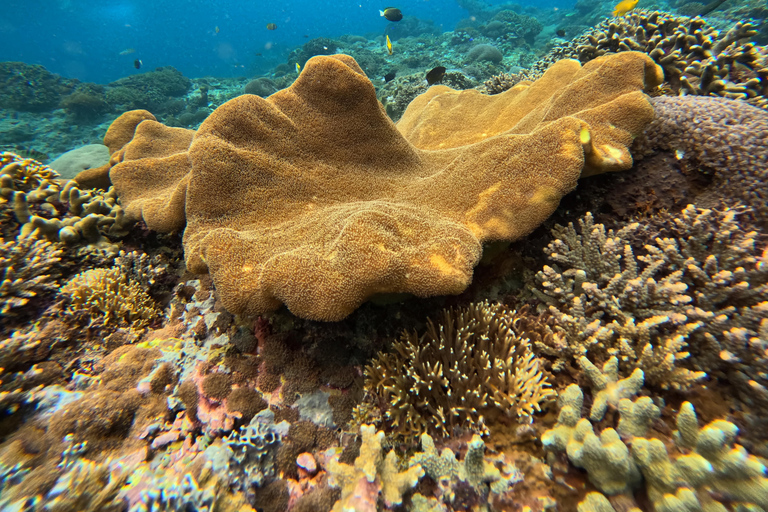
(80, 159)
(31, 87)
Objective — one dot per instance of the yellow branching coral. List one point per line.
(108, 293)
(705, 470)
(18, 173)
(448, 378)
(371, 475)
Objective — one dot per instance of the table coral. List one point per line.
(464, 366)
(313, 199)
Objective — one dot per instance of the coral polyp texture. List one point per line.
(314, 199)
(471, 362)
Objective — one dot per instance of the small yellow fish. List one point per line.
(624, 7)
(389, 44)
(298, 68)
(216, 29)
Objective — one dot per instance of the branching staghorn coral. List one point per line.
(27, 267)
(118, 294)
(697, 280)
(446, 379)
(606, 305)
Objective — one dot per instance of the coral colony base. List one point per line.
(548, 295)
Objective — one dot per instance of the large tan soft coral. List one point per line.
(314, 199)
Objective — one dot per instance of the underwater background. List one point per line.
(433, 256)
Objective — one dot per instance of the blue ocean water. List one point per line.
(84, 40)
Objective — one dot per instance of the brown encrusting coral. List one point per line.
(350, 206)
(721, 142)
(470, 362)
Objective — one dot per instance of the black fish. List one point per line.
(435, 75)
(390, 76)
(392, 13)
(137, 64)
(560, 32)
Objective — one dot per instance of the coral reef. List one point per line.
(117, 295)
(372, 474)
(28, 270)
(393, 232)
(706, 468)
(447, 379)
(485, 52)
(648, 310)
(721, 140)
(507, 25)
(147, 90)
(46, 208)
(260, 87)
(397, 94)
(69, 214)
(31, 87)
(165, 341)
(489, 477)
(22, 174)
(86, 103)
(697, 59)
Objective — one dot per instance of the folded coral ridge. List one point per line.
(314, 199)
